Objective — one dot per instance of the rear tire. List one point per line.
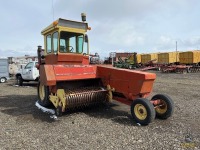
(43, 95)
(142, 111)
(165, 111)
(2, 80)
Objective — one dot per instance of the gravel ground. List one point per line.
(23, 126)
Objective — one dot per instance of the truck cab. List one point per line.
(28, 73)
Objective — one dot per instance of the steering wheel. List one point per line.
(71, 48)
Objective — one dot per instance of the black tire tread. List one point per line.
(19, 80)
(150, 111)
(170, 106)
(46, 102)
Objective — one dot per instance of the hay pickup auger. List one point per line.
(68, 81)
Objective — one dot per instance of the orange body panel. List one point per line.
(74, 72)
(47, 75)
(50, 74)
(132, 84)
(68, 58)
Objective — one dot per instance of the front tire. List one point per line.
(165, 109)
(43, 95)
(142, 111)
(19, 80)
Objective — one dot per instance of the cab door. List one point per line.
(28, 71)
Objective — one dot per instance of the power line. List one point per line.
(53, 10)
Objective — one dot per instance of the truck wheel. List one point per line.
(19, 80)
(43, 95)
(166, 107)
(142, 111)
(3, 80)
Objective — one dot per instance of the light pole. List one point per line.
(112, 55)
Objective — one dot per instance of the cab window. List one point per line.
(71, 42)
(80, 44)
(55, 42)
(48, 46)
(29, 65)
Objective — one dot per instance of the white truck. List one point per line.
(4, 74)
(27, 73)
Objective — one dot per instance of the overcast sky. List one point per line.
(117, 25)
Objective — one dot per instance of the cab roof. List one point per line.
(66, 24)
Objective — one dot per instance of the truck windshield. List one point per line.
(29, 65)
(71, 42)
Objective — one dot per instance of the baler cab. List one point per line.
(67, 80)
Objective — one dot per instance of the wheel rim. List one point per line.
(41, 92)
(162, 108)
(3, 80)
(140, 111)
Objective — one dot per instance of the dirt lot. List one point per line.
(23, 126)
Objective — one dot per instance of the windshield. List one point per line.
(71, 42)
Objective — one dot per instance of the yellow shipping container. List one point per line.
(138, 58)
(189, 57)
(148, 57)
(167, 58)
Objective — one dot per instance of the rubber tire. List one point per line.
(185, 71)
(2, 80)
(150, 111)
(19, 80)
(188, 70)
(44, 102)
(170, 106)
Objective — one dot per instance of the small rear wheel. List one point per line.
(165, 108)
(2, 80)
(43, 95)
(142, 111)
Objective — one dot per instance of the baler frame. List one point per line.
(67, 80)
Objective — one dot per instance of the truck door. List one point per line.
(27, 71)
